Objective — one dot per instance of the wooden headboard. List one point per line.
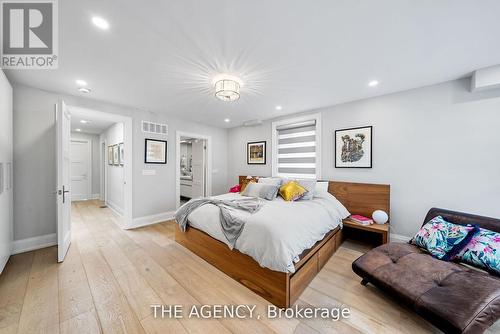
(362, 198)
(358, 198)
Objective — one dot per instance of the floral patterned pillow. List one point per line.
(443, 239)
(483, 251)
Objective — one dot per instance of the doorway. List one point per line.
(193, 167)
(81, 170)
(111, 159)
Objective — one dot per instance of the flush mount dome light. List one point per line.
(227, 89)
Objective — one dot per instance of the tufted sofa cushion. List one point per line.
(453, 297)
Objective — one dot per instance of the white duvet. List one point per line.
(280, 231)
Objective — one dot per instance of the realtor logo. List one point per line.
(29, 34)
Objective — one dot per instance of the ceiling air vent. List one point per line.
(156, 128)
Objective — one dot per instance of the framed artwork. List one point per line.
(353, 147)
(121, 154)
(116, 155)
(110, 155)
(256, 153)
(155, 151)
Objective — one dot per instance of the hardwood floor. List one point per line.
(111, 277)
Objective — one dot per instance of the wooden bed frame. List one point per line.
(283, 289)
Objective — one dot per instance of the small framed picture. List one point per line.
(155, 151)
(110, 155)
(256, 153)
(353, 147)
(116, 155)
(121, 154)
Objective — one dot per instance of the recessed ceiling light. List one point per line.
(100, 23)
(81, 83)
(78, 130)
(83, 121)
(279, 107)
(373, 83)
(84, 90)
(227, 120)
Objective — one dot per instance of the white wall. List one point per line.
(6, 198)
(96, 159)
(115, 176)
(34, 156)
(435, 146)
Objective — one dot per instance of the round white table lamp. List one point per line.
(380, 217)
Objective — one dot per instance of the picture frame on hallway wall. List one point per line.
(121, 154)
(155, 151)
(256, 153)
(353, 147)
(116, 155)
(110, 155)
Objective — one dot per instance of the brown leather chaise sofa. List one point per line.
(453, 297)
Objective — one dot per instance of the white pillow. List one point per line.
(271, 180)
(321, 187)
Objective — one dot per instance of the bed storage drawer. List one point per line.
(301, 279)
(326, 252)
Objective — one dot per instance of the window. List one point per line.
(296, 147)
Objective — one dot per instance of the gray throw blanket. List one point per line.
(232, 226)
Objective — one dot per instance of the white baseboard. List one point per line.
(85, 198)
(3, 262)
(115, 208)
(399, 238)
(29, 244)
(153, 219)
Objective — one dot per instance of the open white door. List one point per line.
(63, 148)
(198, 169)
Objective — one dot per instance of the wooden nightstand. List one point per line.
(382, 230)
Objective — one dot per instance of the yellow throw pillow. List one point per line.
(292, 191)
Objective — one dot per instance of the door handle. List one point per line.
(64, 192)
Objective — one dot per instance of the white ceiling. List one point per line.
(162, 55)
(94, 127)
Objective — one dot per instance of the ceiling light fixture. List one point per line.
(78, 130)
(227, 90)
(100, 23)
(279, 107)
(81, 83)
(373, 83)
(84, 90)
(227, 120)
(83, 121)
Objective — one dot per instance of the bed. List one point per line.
(283, 286)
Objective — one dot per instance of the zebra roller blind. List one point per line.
(297, 151)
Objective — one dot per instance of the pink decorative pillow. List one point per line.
(235, 189)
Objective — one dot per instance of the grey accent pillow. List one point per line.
(261, 190)
(310, 186)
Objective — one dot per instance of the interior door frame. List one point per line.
(89, 176)
(63, 237)
(208, 162)
(103, 147)
(129, 146)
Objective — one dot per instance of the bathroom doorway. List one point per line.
(193, 167)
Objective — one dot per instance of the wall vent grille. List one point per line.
(156, 128)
